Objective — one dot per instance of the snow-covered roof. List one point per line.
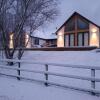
(44, 35)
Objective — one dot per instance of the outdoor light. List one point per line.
(27, 43)
(94, 37)
(11, 41)
(27, 36)
(60, 41)
(60, 34)
(60, 38)
(94, 30)
(11, 36)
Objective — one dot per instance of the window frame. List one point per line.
(82, 38)
(69, 35)
(83, 20)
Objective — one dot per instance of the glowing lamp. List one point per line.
(11, 41)
(60, 33)
(94, 30)
(27, 43)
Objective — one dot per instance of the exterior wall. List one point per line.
(51, 43)
(32, 41)
(93, 40)
(94, 35)
(41, 42)
(60, 38)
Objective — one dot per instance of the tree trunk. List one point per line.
(9, 55)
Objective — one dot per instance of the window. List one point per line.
(53, 41)
(70, 26)
(83, 39)
(80, 39)
(69, 40)
(36, 41)
(86, 39)
(82, 24)
(66, 40)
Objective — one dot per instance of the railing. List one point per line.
(93, 79)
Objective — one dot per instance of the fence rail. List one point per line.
(92, 79)
(53, 64)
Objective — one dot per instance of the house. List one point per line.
(27, 41)
(44, 41)
(78, 31)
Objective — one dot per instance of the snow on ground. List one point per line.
(20, 90)
(11, 89)
(67, 57)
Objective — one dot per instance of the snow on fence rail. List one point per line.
(47, 72)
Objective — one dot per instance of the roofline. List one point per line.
(43, 38)
(80, 16)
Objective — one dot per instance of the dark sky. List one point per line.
(88, 8)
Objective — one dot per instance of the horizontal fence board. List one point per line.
(53, 83)
(52, 73)
(53, 64)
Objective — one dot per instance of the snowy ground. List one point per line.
(11, 89)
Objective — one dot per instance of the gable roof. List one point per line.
(76, 13)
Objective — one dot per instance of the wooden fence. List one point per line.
(46, 73)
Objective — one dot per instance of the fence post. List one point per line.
(93, 82)
(46, 75)
(18, 71)
(19, 53)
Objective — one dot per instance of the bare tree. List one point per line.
(19, 15)
(5, 6)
